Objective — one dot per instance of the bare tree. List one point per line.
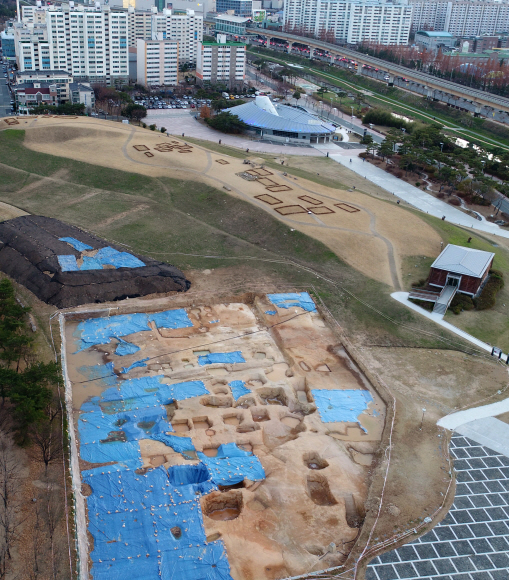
(10, 476)
(47, 434)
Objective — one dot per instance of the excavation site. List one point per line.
(216, 441)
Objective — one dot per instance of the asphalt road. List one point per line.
(5, 98)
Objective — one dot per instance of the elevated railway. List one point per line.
(474, 100)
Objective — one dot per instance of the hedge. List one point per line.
(488, 295)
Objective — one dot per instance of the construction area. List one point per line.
(218, 440)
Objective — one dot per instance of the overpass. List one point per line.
(434, 87)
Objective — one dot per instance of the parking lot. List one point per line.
(181, 102)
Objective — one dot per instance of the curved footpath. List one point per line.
(413, 195)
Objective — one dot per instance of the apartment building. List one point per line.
(350, 21)
(461, 17)
(185, 27)
(89, 43)
(140, 24)
(221, 62)
(158, 62)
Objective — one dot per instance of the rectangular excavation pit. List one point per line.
(266, 181)
(270, 199)
(232, 418)
(260, 172)
(201, 422)
(222, 162)
(290, 209)
(346, 207)
(309, 199)
(321, 210)
(181, 425)
(278, 188)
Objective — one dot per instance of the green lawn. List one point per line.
(193, 225)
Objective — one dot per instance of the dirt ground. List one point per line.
(374, 239)
(317, 474)
(8, 212)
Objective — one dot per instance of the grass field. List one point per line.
(195, 226)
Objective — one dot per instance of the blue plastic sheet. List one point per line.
(124, 348)
(221, 357)
(105, 373)
(178, 444)
(90, 263)
(293, 299)
(138, 363)
(68, 263)
(341, 406)
(238, 389)
(232, 465)
(177, 318)
(271, 312)
(118, 259)
(133, 517)
(76, 244)
(101, 330)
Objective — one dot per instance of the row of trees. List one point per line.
(490, 74)
(63, 109)
(30, 417)
(466, 172)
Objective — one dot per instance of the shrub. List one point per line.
(440, 195)
(163, 129)
(454, 201)
(144, 125)
(461, 302)
(384, 118)
(488, 295)
(423, 304)
(417, 184)
(399, 173)
(152, 127)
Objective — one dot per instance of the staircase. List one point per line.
(444, 300)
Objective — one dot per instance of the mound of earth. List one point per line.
(80, 269)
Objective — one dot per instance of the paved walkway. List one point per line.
(472, 542)
(402, 297)
(455, 420)
(178, 121)
(415, 196)
(490, 431)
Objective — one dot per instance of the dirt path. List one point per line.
(374, 240)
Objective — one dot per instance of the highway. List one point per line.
(431, 84)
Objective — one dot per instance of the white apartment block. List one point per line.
(158, 62)
(461, 18)
(140, 24)
(222, 62)
(351, 21)
(89, 43)
(184, 27)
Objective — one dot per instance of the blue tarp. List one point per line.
(178, 444)
(177, 318)
(341, 406)
(238, 389)
(68, 263)
(221, 357)
(118, 259)
(291, 299)
(101, 330)
(76, 244)
(100, 371)
(232, 465)
(91, 264)
(138, 363)
(125, 348)
(271, 312)
(133, 519)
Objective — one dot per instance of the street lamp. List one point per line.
(441, 147)
(351, 106)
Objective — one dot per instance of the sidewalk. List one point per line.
(402, 297)
(415, 196)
